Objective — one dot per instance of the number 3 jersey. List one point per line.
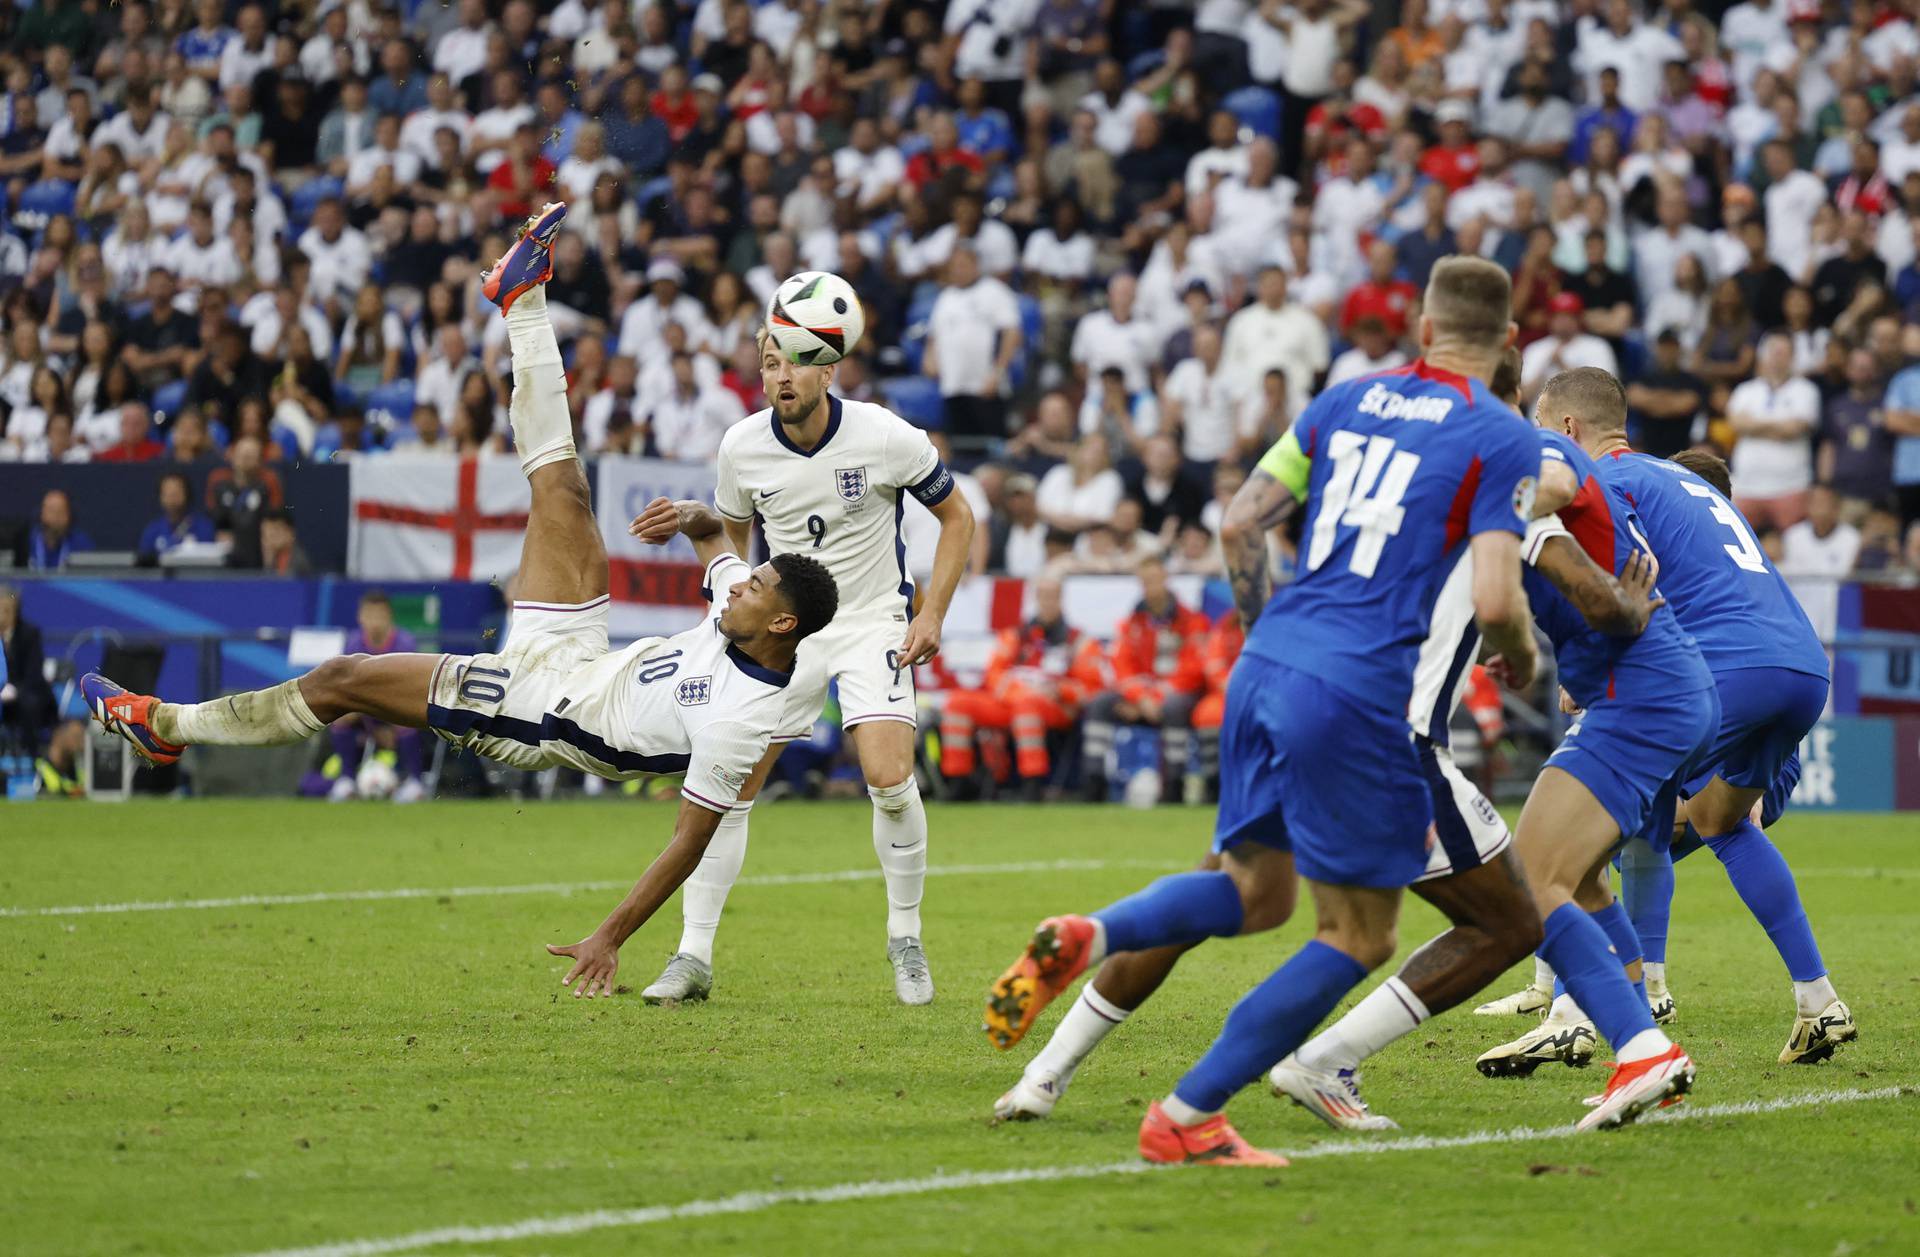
(841, 501)
(1397, 472)
(693, 703)
(1723, 589)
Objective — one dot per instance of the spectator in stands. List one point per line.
(177, 523)
(1774, 416)
(1274, 333)
(280, 552)
(1158, 677)
(1374, 350)
(973, 337)
(1115, 337)
(188, 440)
(1048, 439)
(1168, 493)
(1202, 405)
(238, 495)
(136, 443)
(1382, 295)
(424, 436)
(1016, 534)
(1665, 400)
(1080, 493)
(1725, 355)
(1124, 419)
(689, 420)
(376, 633)
(54, 539)
(1821, 545)
(1564, 347)
(1856, 442)
(163, 344)
(228, 372)
(29, 705)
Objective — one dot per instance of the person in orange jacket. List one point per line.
(1036, 679)
(1158, 677)
(1217, 657)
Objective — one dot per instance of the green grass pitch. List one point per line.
(260, 1076)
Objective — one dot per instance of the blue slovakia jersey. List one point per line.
(1725, 591)
(1596, 666)
(1403, 468)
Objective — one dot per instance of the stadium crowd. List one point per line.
(1108, 250)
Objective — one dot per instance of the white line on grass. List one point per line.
(755, 1202)
(562, 888)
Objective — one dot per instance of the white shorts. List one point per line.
(503, 706)
(861, 652)
(1469, 831)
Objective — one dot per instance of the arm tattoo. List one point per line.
(1259, 505)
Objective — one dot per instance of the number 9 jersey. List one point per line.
(693, 703)
(1397, 471)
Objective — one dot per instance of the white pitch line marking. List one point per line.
(755, 1202)
(561, 888)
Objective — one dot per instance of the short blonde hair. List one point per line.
(1469, 299)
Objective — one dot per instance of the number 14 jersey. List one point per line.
(1397, 471)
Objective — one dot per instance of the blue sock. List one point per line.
(1183, 908)
(1765, 884)
(1578, 950)
(1618, 926)
(1270, 1021)
(1686, 844)
(1646, 888)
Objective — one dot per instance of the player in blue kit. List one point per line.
(1648, 712)
(1771, 676)
(1400, 474)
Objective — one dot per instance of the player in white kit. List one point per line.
(705, 702)
(830, 478)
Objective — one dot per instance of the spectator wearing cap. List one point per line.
(1665, 400)
(973, 337)
(1455, 160)
(1374, 350)
(1856, 445)
(1273, 333)
(1774, 416)
(1382, 296)
(1565, 346)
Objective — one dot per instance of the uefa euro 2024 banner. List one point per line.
(426, 519)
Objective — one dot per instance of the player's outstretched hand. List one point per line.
(922, 642)
(595, 961)
(1636, 582)
(658, 524)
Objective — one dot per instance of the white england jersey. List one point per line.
(840, 502)
(1453, 640)
(693, 703)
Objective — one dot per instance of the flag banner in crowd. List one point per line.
(436, 518)
(655, 589)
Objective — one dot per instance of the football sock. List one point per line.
(1646, 887)
(704, 895)
(278, 716)
(542, 424)
(1269, 1022)
(1578, 950)
(1765, 884)
(1092, 1018)
(1626, 944)
(900, 840)
(1542, 973)
(1809, 998)
(1181, 908)
(1565, 1008)
(1389, 1011)
(1655, 973)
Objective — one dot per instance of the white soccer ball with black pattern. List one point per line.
(815, 318)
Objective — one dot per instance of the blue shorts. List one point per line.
(1307, 768)
(1633, 755)
(1764, 712)
(1772, 807)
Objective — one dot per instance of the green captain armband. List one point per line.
(1289, 464)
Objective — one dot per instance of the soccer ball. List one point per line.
(815, 318)
(376, 779)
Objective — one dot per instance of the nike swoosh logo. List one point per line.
(896, 698)
(900, 846)
(770, 492)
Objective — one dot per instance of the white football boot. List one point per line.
(684, 980)
(1636, 1087)
(1529, 999)
(1814, 1038)
(912, 979)
(1660, 1004)
(1030, 1099)
(1567, 1041)
(1333, 1096)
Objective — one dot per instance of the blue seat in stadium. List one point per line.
(170, 397)
(1032, 322)
(307, 197)
(916, 399)
(1257, 108)
(394, 400)
(49, 198)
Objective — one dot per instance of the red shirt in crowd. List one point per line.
(1455, 167)
(145, 452)
(1388, 302)
(927, 165)
(1160, 656)
(517, 199)
(680, 113)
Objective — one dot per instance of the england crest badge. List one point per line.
(851, 482)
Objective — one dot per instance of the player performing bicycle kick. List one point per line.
(706, 702)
